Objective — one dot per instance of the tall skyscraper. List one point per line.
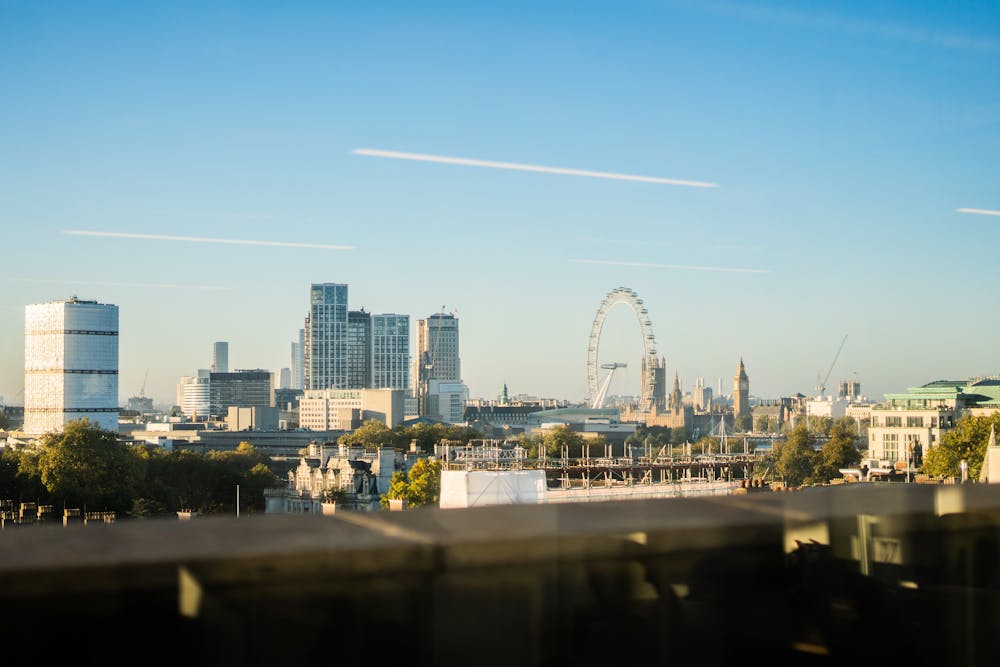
(326, 337)
(70, 364)
(391, 351)
(437, 355)
(298, 361)
(284, 378)
(359, 349)
(220, 357)
(741, 392)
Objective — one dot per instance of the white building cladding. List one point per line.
(70, 364)
(391, 351)
(326, 337)
(195, 395)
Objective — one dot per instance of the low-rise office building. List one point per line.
(907, 425)
(346, 409)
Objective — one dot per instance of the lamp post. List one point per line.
(909, 459)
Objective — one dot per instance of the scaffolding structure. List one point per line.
(639, 465)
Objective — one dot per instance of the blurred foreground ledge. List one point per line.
(849, 574)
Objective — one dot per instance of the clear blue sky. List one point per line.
(842, 136)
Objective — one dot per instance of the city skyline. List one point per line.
(767, 178)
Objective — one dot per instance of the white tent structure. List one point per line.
(990, 473)
(480, 488)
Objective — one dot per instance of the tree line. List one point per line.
(798, 460)
(88, 468)
(91, 469)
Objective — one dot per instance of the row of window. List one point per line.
(898, 421)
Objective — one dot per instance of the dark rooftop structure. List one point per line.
(851, 574)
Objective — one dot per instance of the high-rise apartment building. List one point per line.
(220, 357)
(298, 361)
(325, 347)
(359, 349)
(70, 364)
(437, 355)
(391, 351)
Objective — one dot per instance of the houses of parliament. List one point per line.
(703, 414)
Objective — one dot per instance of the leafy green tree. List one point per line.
(10, 461)
(420, 487)
(761, 424)
(966, 441)
(372, 434)
(819, 426)
(562, 437)
(532, 443)
(707, 444)
(657, 437)
(839, 451)
(552, 441)
(86, 466)
(428, 435)
(156, 493)
(252, 486)
(244, 467)
(145, 508)
(19, 477)
(186, 481)
(794, 459)
(743, 424)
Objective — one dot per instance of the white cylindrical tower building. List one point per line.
(70, 365)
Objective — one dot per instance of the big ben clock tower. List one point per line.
(741, 392)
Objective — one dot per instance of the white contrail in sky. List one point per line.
(978, 211)
(421, 157)
(110, 284)
(201, 239)
(855, 28)
(679, 267)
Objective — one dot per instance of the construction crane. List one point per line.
(142, 390)
(602, 393)
(821, 387)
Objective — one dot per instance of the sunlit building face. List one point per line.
(70, 364)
